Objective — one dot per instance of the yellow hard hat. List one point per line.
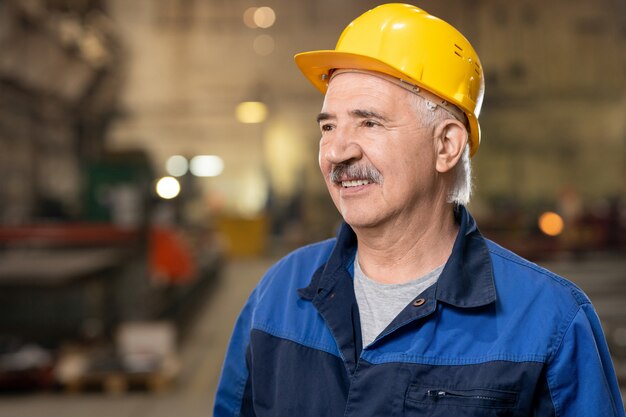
(405, 42)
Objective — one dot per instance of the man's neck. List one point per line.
(391, 254)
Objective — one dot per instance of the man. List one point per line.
(410, 311)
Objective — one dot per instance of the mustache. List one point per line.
(352, 171)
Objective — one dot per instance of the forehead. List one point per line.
(368, 89)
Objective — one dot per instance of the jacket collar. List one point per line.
(466, 280)
(341, 258)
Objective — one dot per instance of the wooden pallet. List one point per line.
(120, 382)
(79, 371)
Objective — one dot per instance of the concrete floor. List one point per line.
(201, 358)
(204, 347)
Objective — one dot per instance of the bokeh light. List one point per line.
(551, 223)
(264, 17)
(259, 17)
(251, 112)
(167, 188)
(206, 166)
(263, 44)
(177, 165)
(248, 17)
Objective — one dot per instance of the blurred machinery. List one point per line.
(60, 76)
(552, 231)
(87, 280)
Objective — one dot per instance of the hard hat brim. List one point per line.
(316, 66)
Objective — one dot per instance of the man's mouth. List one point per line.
(354, 183)
(354, 175)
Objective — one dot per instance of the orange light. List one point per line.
(551, 223)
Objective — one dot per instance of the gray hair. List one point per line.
(461, 189)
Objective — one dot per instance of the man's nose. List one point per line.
(341, 146)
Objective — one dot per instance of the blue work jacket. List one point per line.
(495, 336)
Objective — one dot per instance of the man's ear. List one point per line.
(450, 140)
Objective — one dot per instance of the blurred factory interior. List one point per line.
(157, 155)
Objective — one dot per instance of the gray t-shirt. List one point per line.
(380, 303)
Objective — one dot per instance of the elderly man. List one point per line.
(410, 311)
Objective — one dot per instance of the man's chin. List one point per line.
(361, 220)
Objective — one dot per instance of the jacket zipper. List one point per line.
(436, 394)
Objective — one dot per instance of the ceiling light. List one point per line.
(551, 223)
(251, 112)
(248, 17)
(177, 165)
(264, 17)
(167, 188)
(206, 165)
(263, 44)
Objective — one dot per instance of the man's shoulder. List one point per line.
(278, 308)
(521, 276)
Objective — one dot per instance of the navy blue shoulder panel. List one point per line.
(290, 379)
(281, 386)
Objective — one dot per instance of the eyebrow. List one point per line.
(368, 114)
(360, 113)
(323, 116)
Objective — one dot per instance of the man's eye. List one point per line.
(326, 127)
(369, 123)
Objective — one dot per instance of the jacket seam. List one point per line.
(552, 355)
(240, 392)
(574, 291)
(550, 379)
(309, 343)
(579, 298)
(445, 361)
